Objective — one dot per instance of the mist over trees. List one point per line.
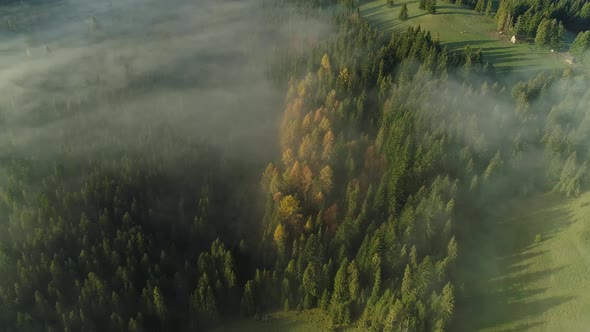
(386, 150)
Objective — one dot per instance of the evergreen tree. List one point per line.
(204, 303)
(340, 296)
(550, 34)
(489, 8)
(431, 6)
(422, 4)
(353, 281)
(310, 286)
(479, 7)
(447, 302)
(403, 14)
(581, 44)
(248, 300)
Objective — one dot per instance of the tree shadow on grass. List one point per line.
(454, 12)
(521, 327)
(512, 59)
(499, 290)
(508, 307)
(388, 27)
(376, 10)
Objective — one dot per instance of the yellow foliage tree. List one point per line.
(279, 234)
(289, 210)
(326, 61)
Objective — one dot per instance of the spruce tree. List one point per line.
(422, 4)
(581, 44)
(479, 6)
(431, 6)
(340, 296)
(403, 14)
(310, 286)
(489, 8)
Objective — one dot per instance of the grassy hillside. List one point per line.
(292, 321)
(532, 273)
(457, 27)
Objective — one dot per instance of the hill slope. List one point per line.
(532, 272)
(458, 26)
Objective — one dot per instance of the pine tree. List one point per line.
(581, 44)
(452, 251)
(248, 301)
(431, 6)
(407, 282)
(403, 14)
(203, 302)
(159, 304)
(571, 176)
(354, 286)
(325, 300)
(479, 6)
(326, 179)
(447, 302)
(550, 33)
(489, 8)
(310, 285)
(340, 296)
(422, 4)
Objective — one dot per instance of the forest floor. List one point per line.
(457, 27)
(531, 271)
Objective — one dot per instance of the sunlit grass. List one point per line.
(529, 282)
(457, 27)
(291, 321)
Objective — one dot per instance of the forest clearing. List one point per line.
(458, 26)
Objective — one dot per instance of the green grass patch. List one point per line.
(457, 27)
(291, 321)
(516, 283)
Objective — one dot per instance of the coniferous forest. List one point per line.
(387, 152)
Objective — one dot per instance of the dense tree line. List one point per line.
(123, 246)
(580, 46)
(373, 207)
(542, 19)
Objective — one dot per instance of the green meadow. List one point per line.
(457, 26)
(531, 273)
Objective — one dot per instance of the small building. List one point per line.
(513, 39)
